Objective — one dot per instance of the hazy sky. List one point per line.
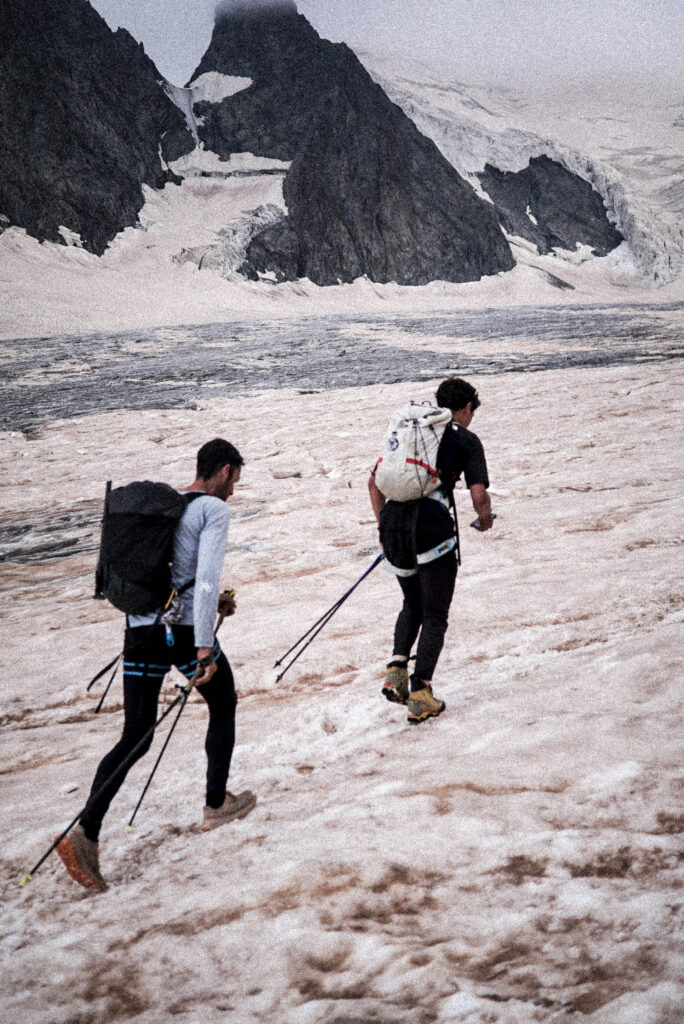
(483, 41)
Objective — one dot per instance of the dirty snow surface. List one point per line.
(516, 860)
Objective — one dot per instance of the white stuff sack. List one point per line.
(407, 469)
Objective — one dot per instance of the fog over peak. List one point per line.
(230, 8)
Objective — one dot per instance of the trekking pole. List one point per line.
(186, 690)
(314, 630)
(313, 636)
(103, 671)
(327, 614)
(323, 619)
(124, 764)
(108, 686)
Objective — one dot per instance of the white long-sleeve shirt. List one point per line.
(198, 552)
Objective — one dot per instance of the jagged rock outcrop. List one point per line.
(82, 122)
(551, 207)
(366, 192)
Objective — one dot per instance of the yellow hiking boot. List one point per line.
(396, 688)
(422, 705)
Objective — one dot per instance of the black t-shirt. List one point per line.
(460, 453)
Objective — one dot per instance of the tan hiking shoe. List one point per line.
(80, 857)
(232, 807)
(422, 704)
(396, 688)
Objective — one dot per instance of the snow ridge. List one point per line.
(466, 124)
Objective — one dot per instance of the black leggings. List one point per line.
(147, 659)
(427, 598)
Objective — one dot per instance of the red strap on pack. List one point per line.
(424, 465)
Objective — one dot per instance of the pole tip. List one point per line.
(25, 880)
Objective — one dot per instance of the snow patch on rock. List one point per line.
(71, 238)
(213, 87)
(203, 162)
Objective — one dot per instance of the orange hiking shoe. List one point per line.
(80, 857)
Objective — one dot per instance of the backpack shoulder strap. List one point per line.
(189, 497)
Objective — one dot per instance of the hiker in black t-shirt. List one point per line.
(421, 544)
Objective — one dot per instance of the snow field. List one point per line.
(514, 861)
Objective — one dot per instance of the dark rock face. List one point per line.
(567, 210)
(366, 193)
(82, 117)
(274, 250)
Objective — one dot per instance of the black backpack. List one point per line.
(136, 547)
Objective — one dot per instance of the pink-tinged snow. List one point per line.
(515, 861)
(49, 289)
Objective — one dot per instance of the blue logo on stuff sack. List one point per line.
(393, 443)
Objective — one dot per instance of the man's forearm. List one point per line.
(377, 498)
(482, 505)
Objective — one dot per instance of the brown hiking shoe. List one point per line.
(80, 857)
(422, 705)
(396, 688)
(232, 807)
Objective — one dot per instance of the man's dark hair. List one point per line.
(455, 393)
(216, 454)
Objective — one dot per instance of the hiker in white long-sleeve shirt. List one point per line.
(188, 642)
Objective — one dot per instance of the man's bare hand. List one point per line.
(227, 604)
(207, 671)
(483, 506)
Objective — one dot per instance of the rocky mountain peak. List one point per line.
(367, 193)
(83, 119)
(255, 38)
